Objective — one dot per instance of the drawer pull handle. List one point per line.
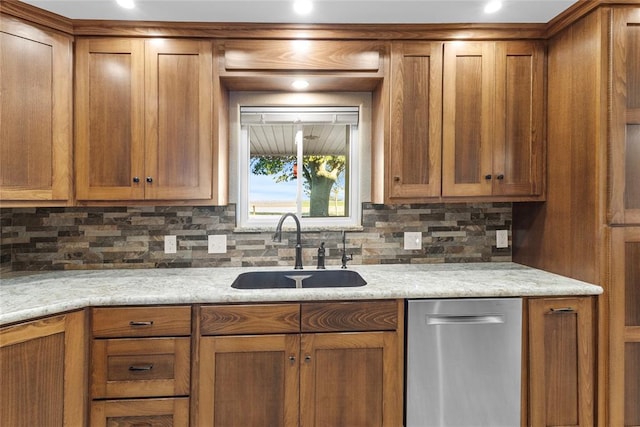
(138, 324)
(141, 368)
(562, 310)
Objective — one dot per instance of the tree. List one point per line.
(320, 174)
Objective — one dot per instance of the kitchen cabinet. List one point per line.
(328, 65)
(415, 150)
(311, 364)
(624, 187)
(42, 366)
(493, 119)
(144, 117)
(561, 362)
(624, 327)
(140, 365)
(35, 137)
(467, 121)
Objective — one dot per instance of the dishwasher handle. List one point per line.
(449, 319)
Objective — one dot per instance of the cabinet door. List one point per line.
(624, 357)
(467, 128)
(624, 191)
(561, 362)
(178, 122)
(416, 120)
(248, 381)
(35, 112)
(42, 370)
(350, 379)
(109, 119)
(518, 145)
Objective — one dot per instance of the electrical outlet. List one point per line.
(502, 239)
(217, 244)
(170, 245)
(412, 240)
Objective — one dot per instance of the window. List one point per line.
(300, 160)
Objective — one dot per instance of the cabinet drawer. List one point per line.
(141, 321)
(140, 367)
(140, 412)
(250, 319)
(349, 316)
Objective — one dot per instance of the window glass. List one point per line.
(298, 161)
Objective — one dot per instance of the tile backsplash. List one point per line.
(133, 237)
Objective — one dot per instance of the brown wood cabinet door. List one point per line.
(248, 381)
(35, 112)
(170, 412)
(624, 336)
(109, 119)
(518, 151)
(42, 372)
(178, 122)
(624, 187)
(467, 128)
(561, 362)
(350, 380)
(416, 121)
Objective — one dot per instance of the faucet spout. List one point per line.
(278, 237)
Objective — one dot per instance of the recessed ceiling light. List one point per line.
(300, 84)
(493, 6)
(302, 7)
(127, 4)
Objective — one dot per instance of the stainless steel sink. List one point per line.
(298, 279)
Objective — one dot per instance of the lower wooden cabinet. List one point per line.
(42, 372)
(331, 378)
(561, 368)
(141, 413)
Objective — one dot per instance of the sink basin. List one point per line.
(298, 279)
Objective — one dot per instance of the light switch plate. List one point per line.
(502, 239)
(170, 245)
(217, 244)
(412, 240)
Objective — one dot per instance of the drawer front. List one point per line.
(140, 367)
(140, 412)
(250, 319)
(141, 321)
(349, 316)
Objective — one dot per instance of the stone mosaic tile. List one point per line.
(133, 237)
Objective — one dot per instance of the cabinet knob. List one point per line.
(307, 359)
(136, 179)
(137, 324)
(500, 177)
(487, 177)
(149, 179)
(141, 368)
(561, 310)
(396, 178)
(292, 359)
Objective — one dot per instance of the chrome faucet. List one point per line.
(277, 237)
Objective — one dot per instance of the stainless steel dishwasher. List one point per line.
(464, 362)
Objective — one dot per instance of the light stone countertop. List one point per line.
(32, 296)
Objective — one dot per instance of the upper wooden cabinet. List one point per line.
(624, 186)
(467, 120)
(328, 65)
(414, 153)
(144, 115)
(493, 119)
(36, 114)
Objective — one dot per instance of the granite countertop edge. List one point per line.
(26, 297)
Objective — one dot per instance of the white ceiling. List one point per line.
(325, 11)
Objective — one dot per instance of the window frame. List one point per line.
(354, 218)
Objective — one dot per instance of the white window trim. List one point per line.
(354, 220)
